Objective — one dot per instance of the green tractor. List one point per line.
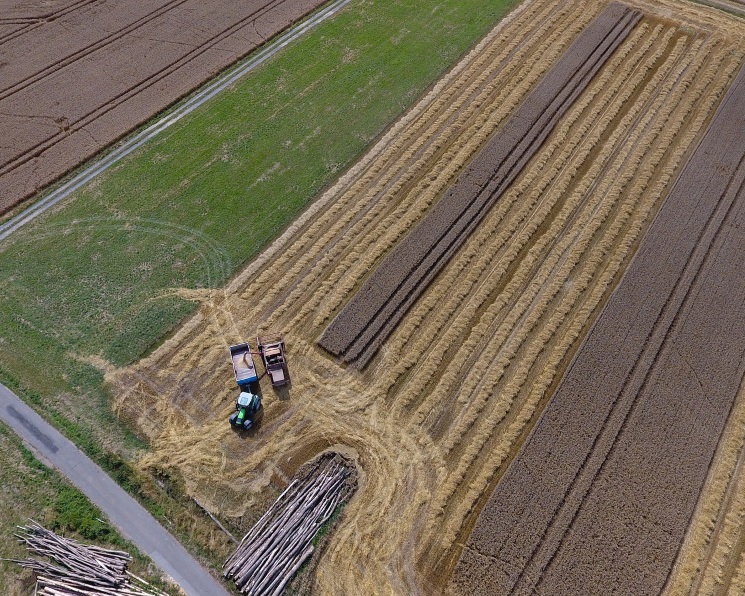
(248, 408)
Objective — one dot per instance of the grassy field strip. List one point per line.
(319, 224)
(333, 231)
(265, 279)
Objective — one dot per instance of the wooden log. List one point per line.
(217, 521)
(288, 576)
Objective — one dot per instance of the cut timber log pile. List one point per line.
(80, 569)
(282, 540)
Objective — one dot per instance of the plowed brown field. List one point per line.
(442, 408)
(79, 75)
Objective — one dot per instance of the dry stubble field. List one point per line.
(440, 411)
(600, 496)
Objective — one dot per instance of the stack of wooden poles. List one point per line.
(80, 569)
(282, 540)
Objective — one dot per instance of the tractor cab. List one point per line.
(247, 408)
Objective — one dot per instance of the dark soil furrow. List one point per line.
(600, 496)
(394, 286)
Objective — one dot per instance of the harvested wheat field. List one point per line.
(458, 373)
(79, 75)
(614, 468)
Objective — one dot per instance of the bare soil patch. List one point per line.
(81, 75)
(614, 467)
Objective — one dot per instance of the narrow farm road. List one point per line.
(129, 517)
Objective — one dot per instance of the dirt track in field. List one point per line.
(79, 76)
(614, 467)
(450, 396)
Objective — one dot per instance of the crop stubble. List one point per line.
(615, 465)
(82, 76)
(358, 330)
(451, 393)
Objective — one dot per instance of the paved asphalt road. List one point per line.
(132, 520)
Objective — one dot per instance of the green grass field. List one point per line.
(92, 278)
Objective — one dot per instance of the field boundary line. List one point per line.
(184, 108)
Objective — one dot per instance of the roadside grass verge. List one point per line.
(32, 490)
(89, 282)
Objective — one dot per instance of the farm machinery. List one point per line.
(272, 350)
(247, 408)
(248, 404)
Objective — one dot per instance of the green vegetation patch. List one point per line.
(95, 276)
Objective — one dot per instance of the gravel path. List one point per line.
(129, 517)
